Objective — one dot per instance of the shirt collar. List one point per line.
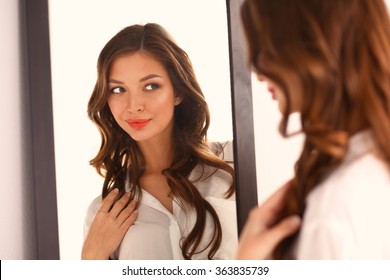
(360, 144)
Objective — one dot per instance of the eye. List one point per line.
(150, 87)
(117, 90)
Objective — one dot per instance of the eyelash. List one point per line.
(154, 85)
(121, 89)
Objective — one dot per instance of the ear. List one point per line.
(178, 100)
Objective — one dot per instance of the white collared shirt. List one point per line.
(347, 216)
(157, 233)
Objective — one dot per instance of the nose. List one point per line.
(135, 103)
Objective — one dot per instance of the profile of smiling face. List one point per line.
(279, 95)
(142, 98)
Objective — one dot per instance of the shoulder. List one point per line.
(95, 204)
(351, 185)
(346, 213)
(91, 210)
(223, 150)
(365, 177)
(211, 181)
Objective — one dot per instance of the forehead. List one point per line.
(136, 64)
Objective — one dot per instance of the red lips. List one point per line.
(272, 91)
(138, 123)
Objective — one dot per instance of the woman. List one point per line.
(166, 193)
(329, 61)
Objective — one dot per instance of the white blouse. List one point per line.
(157, 233)
(347, 215)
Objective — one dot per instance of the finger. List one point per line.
(281, 230)
(127, 211)
(273, 205)
(109, 200)
(119, 205)
(254, 223)
(129, 221)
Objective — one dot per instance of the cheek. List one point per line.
(165, 108)
(116, 107)
(282, 104)
(281, 99)
(163, 103)
(296, 103)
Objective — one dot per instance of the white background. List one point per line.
(275, 155)
(202, 269)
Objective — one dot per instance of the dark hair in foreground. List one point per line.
(120, 160)
(340, 53)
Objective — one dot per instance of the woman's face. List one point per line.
(280, 96)
(142, 98)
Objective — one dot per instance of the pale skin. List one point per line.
(109, 227)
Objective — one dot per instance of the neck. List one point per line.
(357, 123)
(157, 154)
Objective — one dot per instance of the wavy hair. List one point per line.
(119, 159)
(340, 53)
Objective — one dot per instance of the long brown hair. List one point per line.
(340, 52)
(119, 159)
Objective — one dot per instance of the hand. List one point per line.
(261, 235)
(109, 226)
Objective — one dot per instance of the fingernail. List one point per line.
(133, 202)
(116, 190)
(128, 194)
(295, 220)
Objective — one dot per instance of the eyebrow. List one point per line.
(115, 81)
(143, 79)
(150, 76)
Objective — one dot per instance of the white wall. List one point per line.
(16, 211)
(275, 156)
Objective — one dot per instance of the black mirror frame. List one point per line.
(242, 107)
(35, 30)
(36, 52)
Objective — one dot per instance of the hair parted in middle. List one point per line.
(119, 159)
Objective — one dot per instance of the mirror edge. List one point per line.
(38, 93)
(242, 110)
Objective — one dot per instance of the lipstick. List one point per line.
(138, 123)
(272, 91)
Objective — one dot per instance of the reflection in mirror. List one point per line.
(75, 46)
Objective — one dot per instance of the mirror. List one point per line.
(78, 32)
(39, 95)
